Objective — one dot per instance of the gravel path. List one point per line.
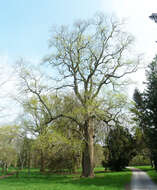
(141, 181)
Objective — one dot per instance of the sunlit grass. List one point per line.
(38, 181)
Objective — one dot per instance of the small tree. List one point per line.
(60, 153)
(122, 148)
(9, 136)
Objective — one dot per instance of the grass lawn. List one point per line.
(150, 171)
(37, 181)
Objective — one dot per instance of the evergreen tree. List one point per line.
(121, 146)
(146, 109)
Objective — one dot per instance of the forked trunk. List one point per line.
(88, 151)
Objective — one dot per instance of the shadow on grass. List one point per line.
(148, 169)
(98, 181)
(145, 168)
(99, 172)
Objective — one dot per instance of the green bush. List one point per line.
(140, 160)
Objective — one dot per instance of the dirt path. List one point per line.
(141, 181)
(8, 175)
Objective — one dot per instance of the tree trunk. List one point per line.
(29, 162)
(6, 168)
(3, 167)
(88, 151)
(42, 162)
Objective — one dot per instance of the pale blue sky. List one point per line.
(24, 32)
(25, 24)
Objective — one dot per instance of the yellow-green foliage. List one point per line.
(9, 139)
(60, 152)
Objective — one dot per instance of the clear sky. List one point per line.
(26, 25)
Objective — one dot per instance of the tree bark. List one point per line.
(6, 167)
(42, 162)
(88, 151)
(29, 162)
(3, 167)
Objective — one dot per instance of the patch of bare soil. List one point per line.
(8, 175)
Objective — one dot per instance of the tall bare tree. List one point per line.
(87, 58)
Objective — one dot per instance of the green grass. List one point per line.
(10, 170)
(37, 181)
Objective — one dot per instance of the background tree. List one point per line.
(9, 138)
(143, 156)
(61, 153)
(45, 136)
